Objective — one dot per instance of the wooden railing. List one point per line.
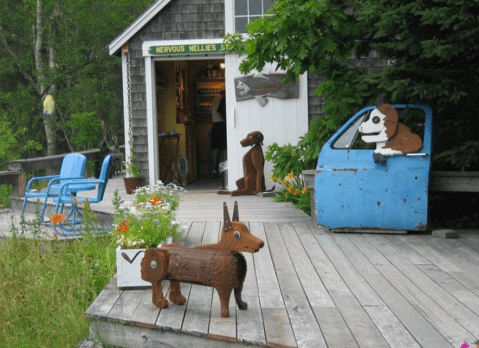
(16, 172)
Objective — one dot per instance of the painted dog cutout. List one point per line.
(392, 137)
(253, 181)
(220, 265)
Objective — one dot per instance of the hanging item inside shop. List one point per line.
(260, 86)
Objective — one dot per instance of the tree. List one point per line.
(431, 45)
(58, 48)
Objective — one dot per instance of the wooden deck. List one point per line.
(311, 288)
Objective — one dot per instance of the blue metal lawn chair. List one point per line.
(73, 167)
(72, 224)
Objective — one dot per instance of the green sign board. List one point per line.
(186, 49)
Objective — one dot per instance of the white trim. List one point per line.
(126, 121)
(152, 135)
(136, 26)
(229, 17)
(147, 44)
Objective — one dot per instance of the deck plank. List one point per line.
(452, 286)
(198, 307)
(408, 314)
(420, 299)
(103, 303)
(220, 328)
(351, 303)
(309, 287)
(250, 326)
(171, 318)
(275, 317)
(146, 314)
(335, 330)
(124, 308)
(303, 321)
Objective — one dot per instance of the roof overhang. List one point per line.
(115, 46)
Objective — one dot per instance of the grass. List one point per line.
(46, 287)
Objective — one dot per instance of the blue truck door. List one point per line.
(356, 190)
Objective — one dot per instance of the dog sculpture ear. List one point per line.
(235, 212)
(391, 120)
(227, 226)
(380, 99)
(260, 138)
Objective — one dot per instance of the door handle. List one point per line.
(422, 155)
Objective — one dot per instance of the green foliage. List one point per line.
(149, 218)
(48, 285)
(11, 141)
(84, 79)
(431, 47)
(292, 190)
(131, 166)
(5, 193)
(460, 157)
(85, 130)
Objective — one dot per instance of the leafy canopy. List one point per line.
(431, 47)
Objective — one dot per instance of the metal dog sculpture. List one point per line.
(253, 181)
(220, 265)
(392, 137)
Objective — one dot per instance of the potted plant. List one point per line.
(133, 177)
(146, 221)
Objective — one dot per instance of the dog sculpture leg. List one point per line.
(154, 268)
(241, 305)
(224, 295)
(175, 295)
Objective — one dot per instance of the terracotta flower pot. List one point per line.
(131, 184)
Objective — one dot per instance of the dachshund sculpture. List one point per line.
(220, 265)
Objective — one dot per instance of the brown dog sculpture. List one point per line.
(392, 137)
(252, 182)
(220, 265)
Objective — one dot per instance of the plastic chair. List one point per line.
(69, 226)
(73, 167)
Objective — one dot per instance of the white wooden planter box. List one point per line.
(129, 274)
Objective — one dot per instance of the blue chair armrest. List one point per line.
(39, 178)
(78, 185)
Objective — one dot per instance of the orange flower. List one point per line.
(153, 200)
(57, 219)
(304, 190)
(285, 182)
(123, 227)
(290, 188)
(290, 176)
(296, 192)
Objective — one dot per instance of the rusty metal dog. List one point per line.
(220, 265)
(253, 181)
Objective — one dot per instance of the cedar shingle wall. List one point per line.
(179, 20)
(371, 63)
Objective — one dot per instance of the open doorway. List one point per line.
(187, 93)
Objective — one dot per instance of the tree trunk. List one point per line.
(47, 120)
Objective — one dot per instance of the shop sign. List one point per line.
(168, 50)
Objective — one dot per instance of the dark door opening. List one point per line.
(185, 92)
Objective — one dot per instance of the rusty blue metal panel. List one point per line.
(353, 191)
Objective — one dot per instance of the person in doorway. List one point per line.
(218, 130)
